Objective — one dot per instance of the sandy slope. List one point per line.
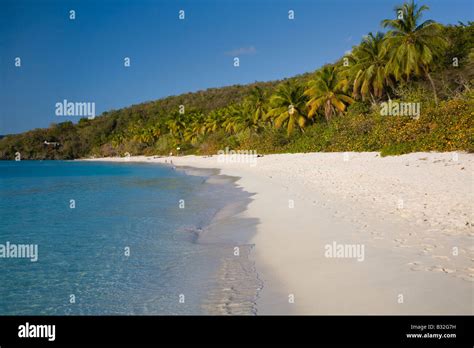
(412, 214)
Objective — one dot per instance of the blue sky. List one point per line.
(82, 60)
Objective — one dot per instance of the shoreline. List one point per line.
(408, 212)
(237, 281)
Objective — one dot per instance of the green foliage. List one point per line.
(368, 71)
(412, 46)
(327, 92)
(288, 107)
(335, 108)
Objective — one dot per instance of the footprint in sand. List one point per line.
(439, 268)
(428, 247)
(401, 243)
(467, 277)
(448, 270)
(441, 257)
(376, 236)
(416, 266)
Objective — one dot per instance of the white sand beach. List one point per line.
(410, 219)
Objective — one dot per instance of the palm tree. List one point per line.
(327, 92)
(193, 132)
(412, 46)
(214, 121)
(176, 125)
(367, 73)
(139, 133)
(253, 115)
(143, 135)
(288, 107)
(156, 131)
(231, 123)
(241, 117)
(258, 100)
(195, 129)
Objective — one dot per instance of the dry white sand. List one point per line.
(412, 214)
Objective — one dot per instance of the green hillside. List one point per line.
(339, 107)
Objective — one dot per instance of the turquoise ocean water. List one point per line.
(82, 250)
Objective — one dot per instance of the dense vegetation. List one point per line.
(336, 108)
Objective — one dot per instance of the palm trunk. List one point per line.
(328, 111)
(432, 85)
